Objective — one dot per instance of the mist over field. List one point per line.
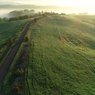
(6, 8)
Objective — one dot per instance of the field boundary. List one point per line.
(7, 63)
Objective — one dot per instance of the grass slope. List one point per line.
(9, 29)
(62, 57)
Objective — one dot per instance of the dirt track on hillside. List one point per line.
(7, 63)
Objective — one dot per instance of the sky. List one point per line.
(67, 6)
(74, 3)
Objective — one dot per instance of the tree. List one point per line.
(1, 20)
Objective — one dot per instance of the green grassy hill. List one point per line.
(9, 29)
(9, 33)
(62, 57)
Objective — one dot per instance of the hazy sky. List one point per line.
(67, 6)
(78, 3)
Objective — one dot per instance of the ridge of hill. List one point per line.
(62, 57)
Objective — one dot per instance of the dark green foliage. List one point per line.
(18, 18)
(1, 20)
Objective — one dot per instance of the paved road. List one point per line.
(7, 63)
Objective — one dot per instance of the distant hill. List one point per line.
(21, 6)
(16, 6)
(21, 13)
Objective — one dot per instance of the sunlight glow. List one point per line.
(69, 3)
(77, 3)
(68, 6)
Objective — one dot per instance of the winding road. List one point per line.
(7, 63)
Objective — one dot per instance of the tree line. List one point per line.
(29, 16)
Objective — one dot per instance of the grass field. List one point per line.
(9, 33)
(9, 30)
(17, 71)
(62, 57)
